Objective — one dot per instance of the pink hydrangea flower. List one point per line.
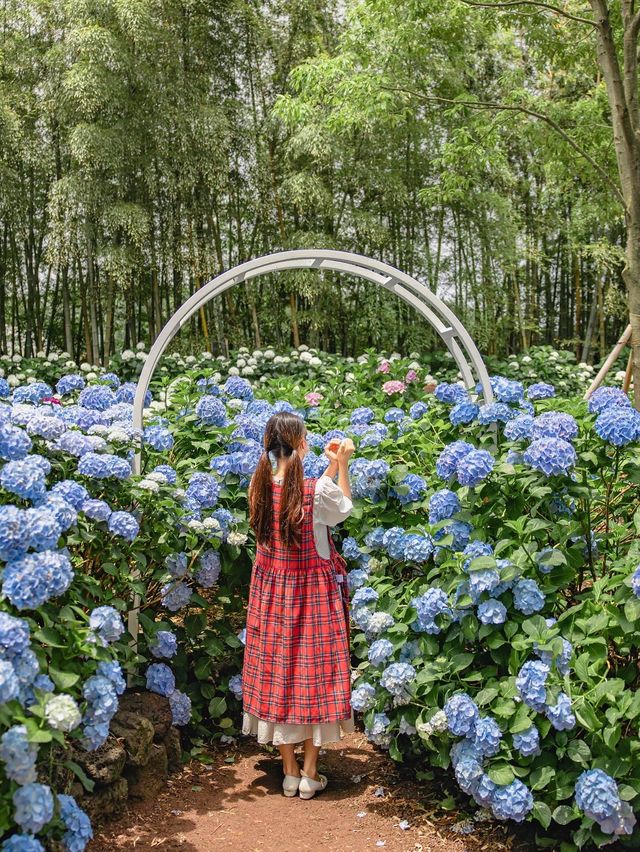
(411, 377)
(383, 367)
(313, 397)
(393, 386)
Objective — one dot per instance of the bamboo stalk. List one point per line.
(617, 349)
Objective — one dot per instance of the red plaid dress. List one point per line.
(297, 667)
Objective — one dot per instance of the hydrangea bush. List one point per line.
(492, 553)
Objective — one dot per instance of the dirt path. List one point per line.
(236, 804)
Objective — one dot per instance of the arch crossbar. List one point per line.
(442, 319)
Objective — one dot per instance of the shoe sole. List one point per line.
(308, 795)
(290, 793)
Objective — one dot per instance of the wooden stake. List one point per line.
(617, 349)
(628, 374)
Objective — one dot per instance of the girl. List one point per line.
(296, 678)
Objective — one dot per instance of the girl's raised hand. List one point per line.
(331, 450)
(346, 449)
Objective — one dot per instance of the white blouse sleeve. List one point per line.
(330, 505)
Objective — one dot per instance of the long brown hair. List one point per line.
(283, 435)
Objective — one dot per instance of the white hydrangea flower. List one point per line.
(414, 356)
(211, 524)
(53, 357)
(235, 404)
(237, 538)
(248, 371)
(179, 493)
(141, 346)
(62, 713)
(16, 358)
(155, 476)
(307, 357)
(13, 380)
(65, 354)
(98, 429)
(252, 362)
(526, 359)
(234, 371)
(128, 355)
(206, 356)
(118, 435)
(269, 354)
(395, 356)
(196, 525)
(221, 358)
(30, 380)
(41, 354)
(190, 359)
(286, 359)
(70, 365)
(243, 349)
(158, 405)
(141, 356)
(362, 359)
(315, 361)
(257, 353)
(414, 365)
(85, 367)
(149, 485)
(278, 359)
(349, 377)
(91, 376)
(375, 563)
(241, 363)
(514, 365)
(264, 378)
(303, 348)
(22, 377)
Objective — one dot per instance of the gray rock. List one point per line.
(105, 801)
(137, 733)
(105, 764)
(145, 782)
(153, 707)
(174, 749)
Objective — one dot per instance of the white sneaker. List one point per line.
(290, 785)
(309, 787)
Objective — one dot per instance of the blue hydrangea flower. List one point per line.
(393, 541)
(71, 491)
(14, 635)
(377, 733)
(211, 411)
(464, 413)
(78, 825)
(363, 697)
(468, 773)
(367, 477)
(235, 686)
(555, 424)
(13, 541)
(552, 456)
(362, 415)
(363, 596)
(507, 390)
(101, 698)
(540, 390)
(209, 567)
(418, 410)
(474, 550)
(375, 538)
(105, 466)
(448, 460)
(123, 524)
(94, 734)
(527, 742)
(15, 444)
(18, 755)
(158, 437)
(238, 388)
(175, 595)
(5, 388)
(429, 605)
(560, 714)
(492, 612)
(484, 791)
(68, 384)
(520, 428)
(204, 488)
(350, 548)
(180, 705)
(460, 532)
(33, 807)
(33, 393)
(97, 397)
(635, 581)
(393, 415)
(46, 426)
(484, 580)
(177, 564)
(165, 644)
(21, 843)
(380, 651)
(527, 597)
(417, 548)
(167, 471)
(160, 679)
(618, 426)
(97, 510)
(597, 794)
(357, 578)
(474, 467)
(513, 801)
(531, 684)
(25, 478)
(106, 623)
(397, 677)
(9, 683)
(495, 412)
(415, 485)
(603, 398)
(443, 504)
(31, 581)
(450, 393)
(464, 750)
(112, 670)
(462, 714)
(486, 736)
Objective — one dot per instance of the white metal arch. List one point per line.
(453, 333)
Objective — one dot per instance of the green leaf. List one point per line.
(79, 772)
(51, 637)
(501, 774)
(63, 680)
(217, 706)
(563, 814)
(542, 813)
(541, 776)
(579, 752)
(632, 608)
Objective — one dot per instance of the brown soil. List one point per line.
(235, 803)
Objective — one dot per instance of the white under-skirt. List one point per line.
(280, 734)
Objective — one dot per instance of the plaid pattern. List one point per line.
(297, 667)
